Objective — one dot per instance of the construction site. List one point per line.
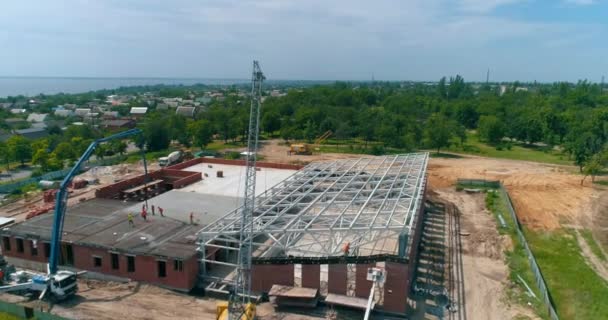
(299, 235)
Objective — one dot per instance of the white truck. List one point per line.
(173, 158)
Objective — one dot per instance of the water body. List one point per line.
(31, 86)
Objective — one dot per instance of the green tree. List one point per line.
(5, 155)
(491, 129)
(19, 148)
(156, 134)
(271, 122)
(201, 133)
(41, 158)
(438, 131)
(64, 151)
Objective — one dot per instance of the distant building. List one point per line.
(6, 105)
(162, 106)
(15, 122)
(64, 112)
(186, 111)
(33, 133)
(110, 115)
(39, 125)
(82, 112)
(18, 111)
(118, 124)
(37, 117)
(203, 100)
(138, 111)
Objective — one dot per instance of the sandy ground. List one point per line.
(483, 261)
(134, 301)
(545, 196)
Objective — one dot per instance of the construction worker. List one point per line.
(160, 210)
(191, 217)
(346, 248)
(144, 214)
(152, 207)
(130, 218)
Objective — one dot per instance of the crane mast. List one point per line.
(242, 289)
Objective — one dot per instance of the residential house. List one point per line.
(64, 112)
(162, 106)
(18, 111)
(82, 112)
(109, 115)
(37, 117)
(186, 111)
(119, 124)
(138, 111)
(16, 122)
(33, 133)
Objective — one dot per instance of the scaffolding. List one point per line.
(325, 205)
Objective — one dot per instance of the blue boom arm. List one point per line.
(62, 196)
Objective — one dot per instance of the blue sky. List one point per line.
(307, 39)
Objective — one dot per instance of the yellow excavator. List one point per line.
(306, 149)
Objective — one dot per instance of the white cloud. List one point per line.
(311, 39)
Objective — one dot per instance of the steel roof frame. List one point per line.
(326, 204)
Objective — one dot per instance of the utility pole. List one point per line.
(240, 297)
(488, 76)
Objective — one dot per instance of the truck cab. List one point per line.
(63, 285)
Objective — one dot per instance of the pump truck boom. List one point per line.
(59, 284)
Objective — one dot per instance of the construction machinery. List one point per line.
(306, 149)
(240, 306)
(377, 276)
(173, 158)
(57, 284)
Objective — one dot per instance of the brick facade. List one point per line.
(146, 267)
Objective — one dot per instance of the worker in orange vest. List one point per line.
(346, 248)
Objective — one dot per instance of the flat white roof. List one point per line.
(233, 182)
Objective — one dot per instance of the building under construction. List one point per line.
(324, 227)
(321, 227)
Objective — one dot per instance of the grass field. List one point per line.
(578, 292)
(518, 151)
(593, 244)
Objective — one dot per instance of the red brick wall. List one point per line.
(263, 276)
(113, 189)
(311, 275)
(260, 164)
(396, 287)
(27, 252)
(145, 266)
(336, 278)
(197, 176)
(362, 285)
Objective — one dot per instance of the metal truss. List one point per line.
(321, 207)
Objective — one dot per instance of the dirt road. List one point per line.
(485, 273)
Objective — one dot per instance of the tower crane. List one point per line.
(240, 306)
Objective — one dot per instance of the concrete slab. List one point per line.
(233, 182)
(178, 204)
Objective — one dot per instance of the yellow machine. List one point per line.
(302, 149)
(222, 311)
(306, 149)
